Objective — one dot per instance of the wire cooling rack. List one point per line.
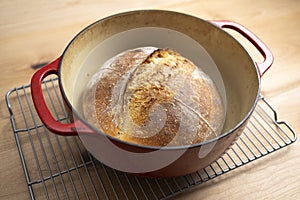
(57, 167)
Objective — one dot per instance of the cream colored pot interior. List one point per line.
(209, 47)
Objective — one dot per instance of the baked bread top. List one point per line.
(154, 97)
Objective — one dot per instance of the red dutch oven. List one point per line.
(219, 54)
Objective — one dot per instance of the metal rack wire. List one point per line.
(57, 167)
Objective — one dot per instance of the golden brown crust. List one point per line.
(158, 98)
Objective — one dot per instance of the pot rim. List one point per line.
(97, 131)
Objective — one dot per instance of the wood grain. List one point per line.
(34, 31)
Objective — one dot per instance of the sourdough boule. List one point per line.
(154, 97)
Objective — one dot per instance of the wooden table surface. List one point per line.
(33, 32)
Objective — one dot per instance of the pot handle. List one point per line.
(41, 107)
(262, 48)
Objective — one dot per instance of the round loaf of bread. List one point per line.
(154, 97)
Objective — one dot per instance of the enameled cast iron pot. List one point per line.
(205, 43)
